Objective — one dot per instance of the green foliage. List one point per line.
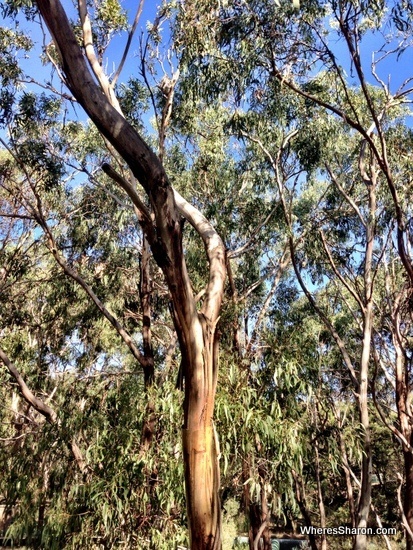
(278, 171)
(125, 496)
(110, 12)
(134, 98)
(10, 8)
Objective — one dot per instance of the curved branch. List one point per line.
(91, 55)
(28, 395)
(399, 502)
(338, 274)
(128, 43)
(282, 265)
(144, 215)
(346, 196)
(253, 237)
(41, 407)
(51, 243)
(323, 317)
(215, 250)
(259, 533)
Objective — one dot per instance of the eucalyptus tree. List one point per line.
(264, 58)
(381, 177)
(65, 357)
(310, 175)
(162, 226)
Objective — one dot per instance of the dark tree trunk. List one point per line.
(145, 291)
(302, 504)
(408, 495)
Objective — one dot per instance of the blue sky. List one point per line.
(34, 68)
(397, 70)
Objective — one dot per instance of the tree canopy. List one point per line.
(206, 274)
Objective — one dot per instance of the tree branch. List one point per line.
(144, 215)
(399, 501)
(345, 194)
(40, 218)
(28, 395)
(282, 265)
(323, 317)
(338, 274)
(215, 250)
(91, 56)
(128, 43)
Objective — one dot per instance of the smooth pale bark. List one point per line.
(366, 467)
(196, 331)
(202, 486)
(364, 502)
(404, 415)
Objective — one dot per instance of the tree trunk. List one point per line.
(349, 485)
(265, 518)
(254, 520)
(404, 414)
(302, 504)
(202, 488)
(408, 494)
(320, 496)
(145, 292)
(251, 514)
(199, 441)
(367, 465)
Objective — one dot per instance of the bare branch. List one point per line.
(215, 250)
(283, 263)
(144, 214)
(236, 253)
(326, 321)
(128, 43)
(260, 532)
(91, 56)
(38, 214)
(28, 395)
(345, 194)
(338, 274)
